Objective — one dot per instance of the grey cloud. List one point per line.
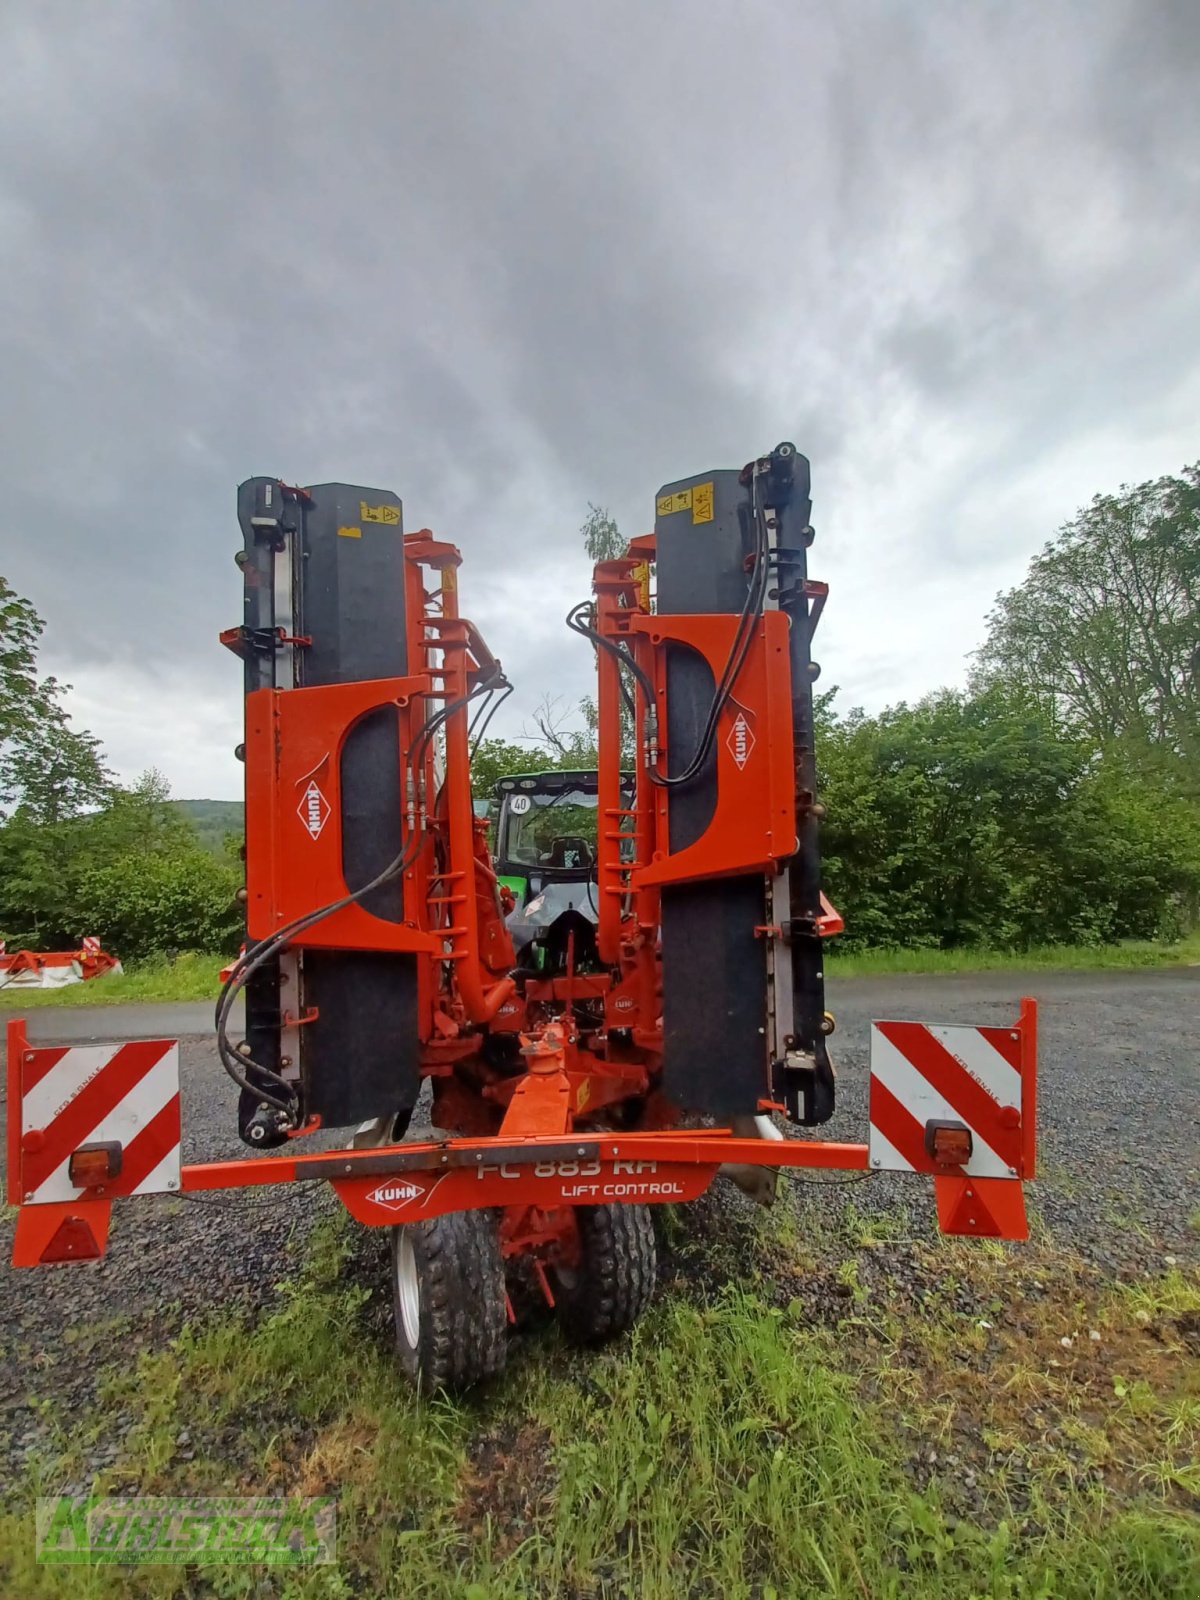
(507, 260)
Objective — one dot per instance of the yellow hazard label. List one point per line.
(699, 501)
(641, 576)
(390, 515)
(449, 579)
(669, 504)
(349, 533)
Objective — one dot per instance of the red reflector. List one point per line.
(949, 1144)
(94, 1164)
(73, 1241)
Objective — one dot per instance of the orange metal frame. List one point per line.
(295, 737)
(523, 1151)
(536, 1160)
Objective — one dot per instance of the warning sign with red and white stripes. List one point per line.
(122, 1093)
(968, 1076)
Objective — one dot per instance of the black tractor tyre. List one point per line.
(614, 1282)
(450, 1306)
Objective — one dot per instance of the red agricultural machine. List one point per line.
(637, 1036)
(56, 969)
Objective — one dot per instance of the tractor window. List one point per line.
(549, 830)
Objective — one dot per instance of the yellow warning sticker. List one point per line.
(449, 580)
(669, 504)
(349, 533)
(699, 501)
(702, 503)
(390, 515)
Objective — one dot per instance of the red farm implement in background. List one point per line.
(612, 1043)
(55, 969)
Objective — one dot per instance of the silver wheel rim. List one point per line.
(408, 1290)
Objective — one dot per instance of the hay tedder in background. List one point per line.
(615, 1055)
(55, 969)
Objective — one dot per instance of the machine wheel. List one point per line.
(614, 1281)
(450, 1307)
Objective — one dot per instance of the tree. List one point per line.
(133, 872)
(497, 758)
(1105, 628)
(78, 854)
(601, 537)
(977, 820)
(47, 767)
(572, 749)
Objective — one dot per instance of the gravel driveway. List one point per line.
(1120, 1153)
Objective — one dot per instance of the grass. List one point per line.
(728, 1448)
(192, 975)
(1131, 953)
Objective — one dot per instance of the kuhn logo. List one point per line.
(395, 1196)
(741, 741)
(623, 1003)
(313, 810)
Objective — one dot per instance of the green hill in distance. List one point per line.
(214, 820)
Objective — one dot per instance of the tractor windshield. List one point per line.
(556, 831)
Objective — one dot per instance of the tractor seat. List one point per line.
(569, 850)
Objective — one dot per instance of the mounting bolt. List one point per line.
(876, 1161)
(1012, 1172)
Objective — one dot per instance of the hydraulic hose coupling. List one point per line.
(650, 737)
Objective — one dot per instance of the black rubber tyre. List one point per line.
(448, 1295)
(614, 1283)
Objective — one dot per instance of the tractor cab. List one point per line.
(546, 834)
(546, 855)
(546, 830)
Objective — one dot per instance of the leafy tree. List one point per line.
(133, 873)
(180, 898)
(48, 768)
(1105, 628)
(78, 855)
(602, 538)
(975, 819)
(497, 758)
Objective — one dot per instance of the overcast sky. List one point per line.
(507, 258)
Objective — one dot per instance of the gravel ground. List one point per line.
(1120, 1153)
(1119, 1101)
